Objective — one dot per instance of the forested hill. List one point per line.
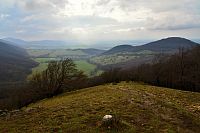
(170, 44)
(15, 63)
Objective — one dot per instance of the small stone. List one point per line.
(107, 117)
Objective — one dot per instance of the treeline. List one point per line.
(178, 71)
(15, 71)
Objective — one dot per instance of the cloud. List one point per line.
(41, 5)
(174, 21)
(99, 19)
(103, 2)
(4, 16)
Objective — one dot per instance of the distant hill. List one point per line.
(52, 45)
(138, 108)
(92, 51)
(127, 56)
(15, 63)
(120, 48)
(41, 44)
(14, 41)
(171, 44)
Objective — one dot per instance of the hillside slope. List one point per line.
(170, 44)
(141, 108)
(118, 49)
(15, 63)
(127, 56)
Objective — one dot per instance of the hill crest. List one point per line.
(141, 108)
(170, 44)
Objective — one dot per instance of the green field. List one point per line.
(43, 56)
(44, 60)
(67, 52)
(139, 108)
(41, 67)
(53, 53)
(120, 57)
(39, 52)
(111, 59)
(43, 63)
(87, 68)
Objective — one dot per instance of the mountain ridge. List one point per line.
(38, 44)
(163, 45)
(50, 44)
(15, 62)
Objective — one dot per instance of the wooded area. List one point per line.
(178, 71)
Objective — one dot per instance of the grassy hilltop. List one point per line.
(139, 107)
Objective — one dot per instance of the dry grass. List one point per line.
(140, 108)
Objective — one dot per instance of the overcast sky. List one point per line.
(95, 20)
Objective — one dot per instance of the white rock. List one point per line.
(107, 117)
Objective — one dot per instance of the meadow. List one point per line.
(83, 65)
(44, 56)
(120, 57)
(53, 53)
(139, 108)
(88, 68)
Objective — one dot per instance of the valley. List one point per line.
(121, 56)
(88, 68)
(80, 57)
(94, 61)
(56, 101)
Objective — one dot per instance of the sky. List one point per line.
(92, 21)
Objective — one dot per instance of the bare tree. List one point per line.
(59, 76)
